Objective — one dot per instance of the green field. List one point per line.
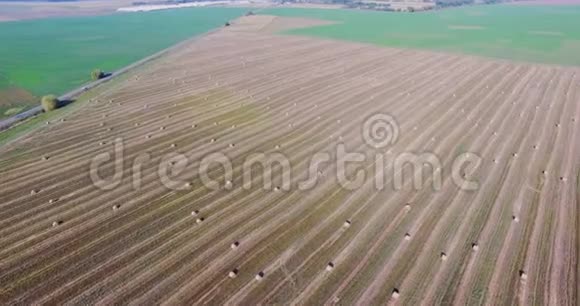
(544, 34)
(56, 55)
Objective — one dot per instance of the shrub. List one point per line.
(49, 103)
(13, 111)
(97, 74)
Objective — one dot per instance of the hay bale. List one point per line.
(443, 256)
(395, 294)
(116, 207)
(34, 191)
(233, 273)
(523, 275)
(45, 157)
(56, 223)
(229, 184)
(235, 245)
(52, 201)
(199, 220)
(407, 236)
(515, 219)
(346, 224)
(474, 246)
(259, 276)
(330, 266)
(195, 212)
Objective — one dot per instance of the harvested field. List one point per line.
(13, 10)
(273, 24)
(513, 240)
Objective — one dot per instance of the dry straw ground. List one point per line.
(512, 241)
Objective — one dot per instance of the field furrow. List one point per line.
(189, 219)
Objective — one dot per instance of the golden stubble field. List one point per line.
(243, 90)
(12, 10)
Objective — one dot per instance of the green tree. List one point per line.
(49, 103)
(97, 74)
